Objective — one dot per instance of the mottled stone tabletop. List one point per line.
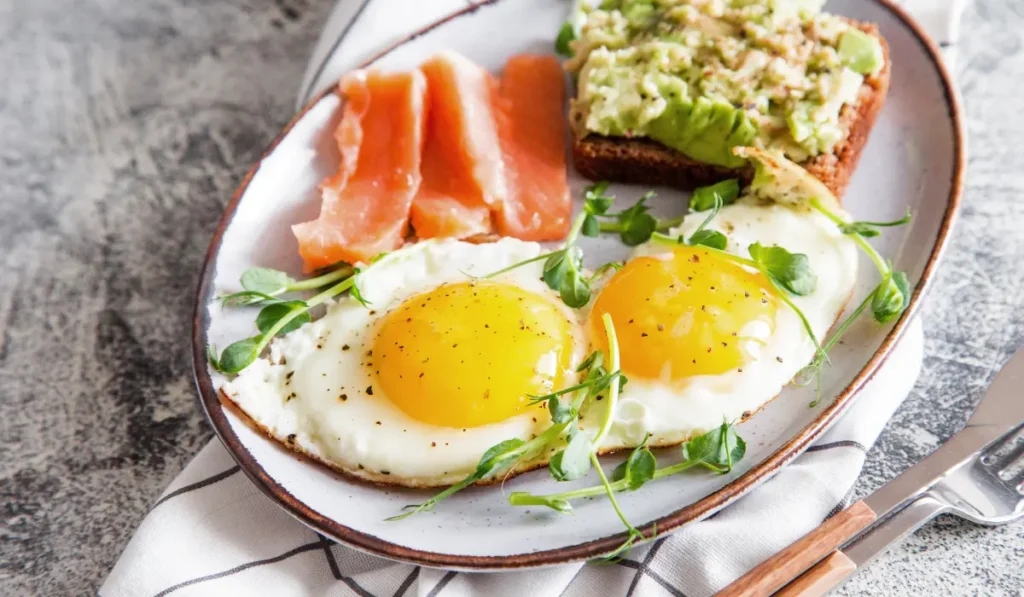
(125, 127)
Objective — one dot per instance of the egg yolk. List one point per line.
(682, 314)
(467, 354)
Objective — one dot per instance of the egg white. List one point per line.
(672, 415)
(294, 394)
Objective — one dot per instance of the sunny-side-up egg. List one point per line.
(415, 387)
(702, 338)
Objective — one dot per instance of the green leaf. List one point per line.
(558, 504)
(266, 280)
(240, 355)
(596, 190)
(611, 265)
(716, 450)
(709, 238)
(638, 230)
(595, 201)
(498, 456)
(637, 225)
(271, 314)
(862, 228)
(891, 297)
(591, 227)
(870, 229)
(524, 498)
(356, 294)
(791, 271)
(623, 550)
(575, 291)
(565, 35)
(574, 461)
(494, 459)
(211, 356)
(601, 379)
(562, 273)
(247, 297)
(555, 268)
(596, 358)
(703, 198)
(638, 468)
(561, 412)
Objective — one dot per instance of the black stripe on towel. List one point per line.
(237, 569)
(198, 484)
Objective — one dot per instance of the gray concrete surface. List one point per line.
(125, 127)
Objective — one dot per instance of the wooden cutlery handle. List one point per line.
(824, 576)
(788, 564)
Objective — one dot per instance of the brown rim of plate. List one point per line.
(703, 508)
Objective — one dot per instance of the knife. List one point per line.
(974, 475)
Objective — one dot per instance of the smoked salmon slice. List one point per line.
(531, 129)
(444, 217)
(463, 173)
(365, 206)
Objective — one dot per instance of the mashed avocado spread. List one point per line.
(704, 76)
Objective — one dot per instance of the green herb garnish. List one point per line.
(720, 193)
(278, 316)
(887, 301)
(502, 457)
(870, 229)
(563, 268)
(717, 450)
(892, 295)
(635, 224)
(566, 35)
(791, 271)
(263, 285)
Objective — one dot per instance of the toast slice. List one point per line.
(642, 161)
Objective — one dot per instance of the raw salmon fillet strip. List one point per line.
(531, 128)
(463, 173)
(365, 209)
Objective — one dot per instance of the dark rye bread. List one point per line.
(642, 161)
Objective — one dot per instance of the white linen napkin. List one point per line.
(214, 533)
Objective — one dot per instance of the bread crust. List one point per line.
(642, 161)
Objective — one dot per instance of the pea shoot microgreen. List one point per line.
(892, 295)
(871, 229)
(604, 269)
(789, 273)
(496, 459)
(563, 268)
(263, 287)
(634, 224)
(502, 457)
(638, 468)
(718, 451)
(887, 301)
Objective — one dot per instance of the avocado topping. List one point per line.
(705, 76)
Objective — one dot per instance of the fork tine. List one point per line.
(1012, 468)
(1007, 451)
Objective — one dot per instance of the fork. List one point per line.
(977, 475)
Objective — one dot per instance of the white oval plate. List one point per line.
(915, 159)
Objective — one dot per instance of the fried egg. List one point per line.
(702, 339)
(439, 366)
(414, 387)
